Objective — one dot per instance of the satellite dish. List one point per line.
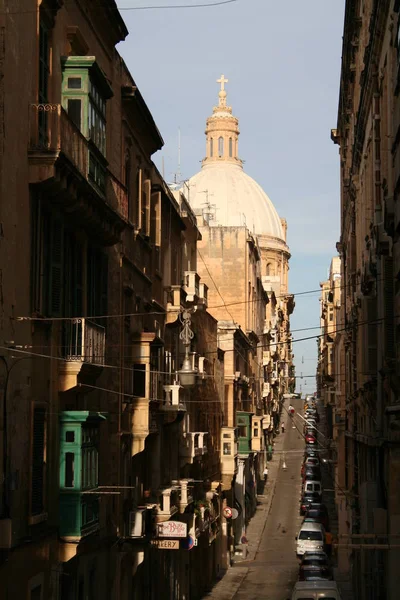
(235, 513)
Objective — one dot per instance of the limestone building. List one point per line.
(243, 258)
(368, 374)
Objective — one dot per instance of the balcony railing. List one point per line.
(85, 341)
(117, 195)
(52, 131)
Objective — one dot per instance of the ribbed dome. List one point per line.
(233, 198)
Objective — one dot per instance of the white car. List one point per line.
(311, 538)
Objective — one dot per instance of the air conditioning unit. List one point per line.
(137, 523)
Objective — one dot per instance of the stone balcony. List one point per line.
(83, 349)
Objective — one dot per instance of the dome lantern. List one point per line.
(222, 131)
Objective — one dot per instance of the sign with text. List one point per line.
(166, 544)
(172, 529)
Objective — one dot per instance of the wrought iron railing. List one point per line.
(85, 341)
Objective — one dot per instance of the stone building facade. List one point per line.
(367, 391)
(244, 260)
(102, 440)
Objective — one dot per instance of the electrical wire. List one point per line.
(114, 7)
(164, 312)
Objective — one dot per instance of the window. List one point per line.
(97, 283)
(74, 109)
(74, 83)
(314, 536)
(230, 147)
(44, 73)
(242, 430)
(79, 472)
(227, 449)
(211, 147)
(97, 118)
(139, 380)
(255, 432)
(38, 461)
(127, 181)
(44, 63)
(220, 146)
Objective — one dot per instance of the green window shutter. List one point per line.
(56, 265)
(38, 466)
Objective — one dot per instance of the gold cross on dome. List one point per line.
(222, 81)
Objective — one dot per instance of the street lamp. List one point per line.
(187, 374)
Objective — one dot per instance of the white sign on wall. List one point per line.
(172, 529)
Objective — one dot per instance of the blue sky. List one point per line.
(282, 60)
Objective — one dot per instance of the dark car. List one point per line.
(312, 474)
(319, 515)
(315, 573)
(310, 451)
(319, 558)
(307, 499)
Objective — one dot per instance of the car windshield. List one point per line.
(313, 536)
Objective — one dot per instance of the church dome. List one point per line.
(232, 198)
(222, 191)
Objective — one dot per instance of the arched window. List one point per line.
(268, 269)
(220, 146)
(211, 146)
(230, 147)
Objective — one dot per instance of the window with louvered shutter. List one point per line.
(38, 464)
(56, 259)
(146, 207)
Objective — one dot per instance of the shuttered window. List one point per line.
(155, 225)
(146, 207)
(55, 268)
(38, 461)
(97, 283)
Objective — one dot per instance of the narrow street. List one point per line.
(273, 573)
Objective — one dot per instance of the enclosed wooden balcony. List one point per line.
(72, 170)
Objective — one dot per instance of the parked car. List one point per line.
(309, 461)
(315, 558)
(312, 461)
(311, 475)
(315, 590)
(311, 451)
(311, 485)
(319, 514)
(315, 574)
(311, 537)
(307, 499)
(310, 439)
